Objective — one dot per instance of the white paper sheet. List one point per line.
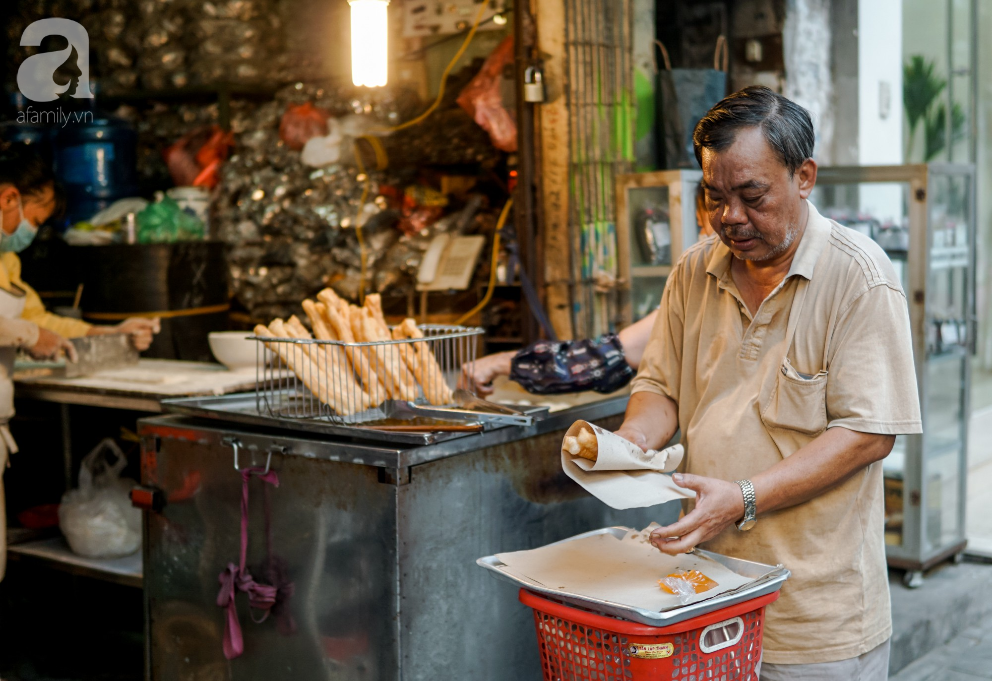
(624, 476)
(622, 571)
(160, 378)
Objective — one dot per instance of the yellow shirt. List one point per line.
(748, 397)
(34, 309)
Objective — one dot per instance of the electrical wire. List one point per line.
(421, 51)
(358, 225)
(492, 267)
(382, 160)
(444, 76)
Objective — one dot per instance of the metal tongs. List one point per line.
(467, 406)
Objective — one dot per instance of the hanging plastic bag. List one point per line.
(482, 98)
(97, 519)
(684, 97)
(325, 150)
(301, 123)
(195, 158)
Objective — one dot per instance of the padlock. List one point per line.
(533, 84)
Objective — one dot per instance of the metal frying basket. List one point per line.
(351, 383)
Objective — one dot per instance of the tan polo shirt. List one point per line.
(746, 400)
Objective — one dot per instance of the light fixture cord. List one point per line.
(382, 162)
(444, 76)
(492, 267)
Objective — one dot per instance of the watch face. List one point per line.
(747, 524)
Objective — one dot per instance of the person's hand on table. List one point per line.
(48, 346)
(479, 375)
(719, 504)
(139, 330)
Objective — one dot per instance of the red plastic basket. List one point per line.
(577, 645)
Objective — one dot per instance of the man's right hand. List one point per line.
(48, 346)
(651, 420)
(633, 435)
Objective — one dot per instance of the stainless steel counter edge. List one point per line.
(258, 441)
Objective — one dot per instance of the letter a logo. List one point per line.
(34, 77)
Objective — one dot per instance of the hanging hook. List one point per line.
(235, 444)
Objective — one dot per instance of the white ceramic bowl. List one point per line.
(233, 349)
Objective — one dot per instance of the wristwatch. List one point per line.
(750, 506)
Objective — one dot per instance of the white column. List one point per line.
(880, 114)
(806, 43)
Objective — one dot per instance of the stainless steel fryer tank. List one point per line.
(378, 544)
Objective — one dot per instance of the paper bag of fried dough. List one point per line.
(618, 472)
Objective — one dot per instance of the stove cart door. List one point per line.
(322, 537)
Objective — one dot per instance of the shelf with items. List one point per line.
(656, 222)
(55, 553)
(221, 93)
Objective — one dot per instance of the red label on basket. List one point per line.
(651, 651)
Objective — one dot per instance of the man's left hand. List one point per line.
(719, 504)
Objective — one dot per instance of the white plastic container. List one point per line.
(233, 350)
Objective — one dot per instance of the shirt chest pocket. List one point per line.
(797, 402)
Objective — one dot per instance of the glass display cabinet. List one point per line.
(923, 216)
(656, 221)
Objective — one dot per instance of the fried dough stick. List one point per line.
(423, 364)
(336, 315)
(584, 444)
(439, 393)
(301, 364)
(399, 382)
(294, 357)
(373, 301)
(334, 370)
(337, 358)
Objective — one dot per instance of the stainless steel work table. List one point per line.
(139, 388)
(377, 542)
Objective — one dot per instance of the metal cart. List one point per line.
(924, 218)
(378, 541)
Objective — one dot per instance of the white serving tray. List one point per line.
(767, 579)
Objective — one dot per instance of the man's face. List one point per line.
(751, 201)
(38, 206)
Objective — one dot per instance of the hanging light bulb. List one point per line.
(369, 42)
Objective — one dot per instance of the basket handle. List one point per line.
(721, 635)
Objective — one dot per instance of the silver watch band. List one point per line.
(750, 505)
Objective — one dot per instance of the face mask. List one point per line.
(22, 236)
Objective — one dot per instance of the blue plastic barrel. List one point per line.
(96, 162)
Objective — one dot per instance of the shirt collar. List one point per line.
(811, 245)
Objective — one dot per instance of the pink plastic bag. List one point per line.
(482, 98)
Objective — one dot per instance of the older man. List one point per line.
(782, 351)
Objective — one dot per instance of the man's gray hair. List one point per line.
(787, 126)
